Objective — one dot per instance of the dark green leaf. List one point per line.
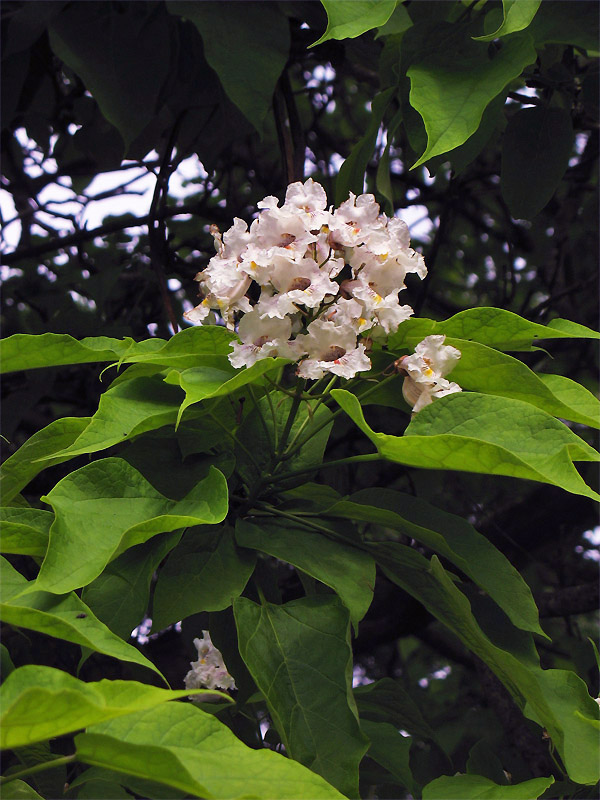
(299, 655)
(469, 787)
(246, 47)
(24, 530)
(65, 617)
(391, 750)
(205, 572)
(536, 148)
(347, 570)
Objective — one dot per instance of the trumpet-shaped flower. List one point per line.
(209, 671)
(261, 337)
(426, 370)
(330, 348)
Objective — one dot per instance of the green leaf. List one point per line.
(556, 22)
(351, 177)
(451, 96)
(247, 48)
(131, 511)
(65, 617)
(465, 787)
(114, 53)
(205, 572)
(387, 701)
(300, 657)
(517, 16)
(201, 383)
(39, 703)
(22, 467)
(19, 790)
(126, 410)
(573, 395)
(483, 369)
(24, 531)
(556, 699)
(536, 148)
(119, 596)
(191, 346)
(382, 179)
(391, 750)
(347, 570)
(399, 22)
(481, 433)
(262, 430)
(347, 19)
(98, 779)
(451, 537)
(493, 327)
(188, 749)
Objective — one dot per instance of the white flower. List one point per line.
(261, 337)
(209, 671)
(330, 348)
(386, 310)
(426, 370)
(354, 220)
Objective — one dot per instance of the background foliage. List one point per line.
(477, 120)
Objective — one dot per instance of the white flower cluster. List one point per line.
(426, 370)
(325, 277)
(209, 671)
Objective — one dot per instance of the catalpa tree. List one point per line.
(298, 340)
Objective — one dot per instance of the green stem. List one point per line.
(338, 462)
(291, 452)
(274, 418)
(310, 417)
(57, 762)
(262, 420)
(291, 416)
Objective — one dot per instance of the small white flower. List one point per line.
(426, 370)
(209, 671)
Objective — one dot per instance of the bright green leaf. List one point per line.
(300, 657)
(190, 347)
(20, 468)
(536, 148)
(205, 572)
(201, 383)
(517, 16)
(39, 703)
(24, 531)
(65, 617)
(347, 570)
(126, 410)
(19, 790)
(451, 96)
(493, 327)
(129, 511)
(482, 433)
(190, 750)
(247, 48)
(469, 787)
(347, 19)
(483, 369)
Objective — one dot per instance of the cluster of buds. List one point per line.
(209, 671)
(326, 277)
